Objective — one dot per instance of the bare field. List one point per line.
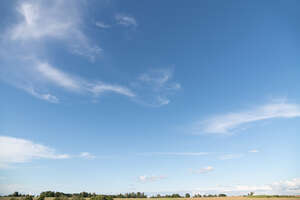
(218, 198)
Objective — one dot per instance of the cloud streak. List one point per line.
(126, 20)
(87, 155)
(16, 150)
(72, 83)
(228, 123)
(102, 25)
(155, 87)
(51, 20)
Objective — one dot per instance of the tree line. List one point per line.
(94, 196)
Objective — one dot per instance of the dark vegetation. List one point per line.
(94, 196)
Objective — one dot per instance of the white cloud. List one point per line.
(253, 151)
(99, 88)
(46, 97)
(155, 87)
(146, 178)
(24, 47)
(203, 170)
(102, 25)
(231, 156)
(55, 77)
(286, 187)
(33, 25)
(230, 122)
(126, 20)
(52, 20)
(16, 150)
(86, 155)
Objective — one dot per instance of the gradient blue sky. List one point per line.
(154, 96)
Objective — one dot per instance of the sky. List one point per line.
(116, 96)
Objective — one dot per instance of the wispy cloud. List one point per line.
(87, 155)
(203, 170)
(73, 83)
(44, 96)
(56, 19)
(126, 20)
(155, 87)
(146, 178)
(17, 150)
(228, 123)
(102, 25)
(42, 75)
(253, 151)
(24, 47)
(57, 77)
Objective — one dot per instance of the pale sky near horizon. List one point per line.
(112, 96)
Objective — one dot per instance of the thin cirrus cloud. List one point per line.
(155, 87)
(72, 83)
(152, 178)
(253, 151)
(56, 19)
(126, 20)
(44, 96)
(23, 45)
(203, 170)
(42, 75)
(87, 155)
(100, 24)
(231, 122)
(17, 150)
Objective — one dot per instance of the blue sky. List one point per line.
(154, 96)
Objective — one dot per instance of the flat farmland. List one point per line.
(218, 198)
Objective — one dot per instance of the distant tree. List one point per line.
(27, 197)
(197, 196)
(61, 198)
(222, 195)
(84, 194)
(101, 197)
(77, 197)
(48, 194)
(40, 197)
(15, 194)
(251, 194)
(187, 195)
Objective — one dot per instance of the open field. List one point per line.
(219, 198)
